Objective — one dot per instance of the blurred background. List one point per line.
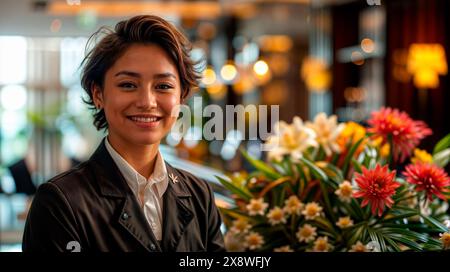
(341, 57)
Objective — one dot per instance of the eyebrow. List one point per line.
(137, 75)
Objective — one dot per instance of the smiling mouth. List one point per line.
(144, 119)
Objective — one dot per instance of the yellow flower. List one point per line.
(254, 240)
(421, 156)
(307, 233)
(240, 226)
(345, 191)
(352, 133)
(445, 238)
(257, 206)
(344, 222)
(239, 179)
(322, 245)
(283, 249)
(233, 242)
(276, 216)
(384, 151)
(359, 247)
(289, 139)
(293, 205)
(384, 148)
(312, 210)
(327, 130)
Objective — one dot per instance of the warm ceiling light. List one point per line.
(275, 43)
(228, 72)
(357, 58)
(316, 75)
(426, 62)
(260, 67)
(209, 76)
(368, 45)
(197, 9)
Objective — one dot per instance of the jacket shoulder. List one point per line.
(74, 184)
(71, 179)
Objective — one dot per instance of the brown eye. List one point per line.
(127, 86)
(164, 87)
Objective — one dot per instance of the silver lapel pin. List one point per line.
(174, 178)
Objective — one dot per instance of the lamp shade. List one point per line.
(426, 62)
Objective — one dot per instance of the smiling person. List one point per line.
(126, 197)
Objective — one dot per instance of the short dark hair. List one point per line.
(143, 29)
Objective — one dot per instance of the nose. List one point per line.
(146, 99)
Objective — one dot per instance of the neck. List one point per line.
(141, 157)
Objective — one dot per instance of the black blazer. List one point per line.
(91, 208)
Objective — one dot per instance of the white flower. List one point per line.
(322, 245)
(283, 249)
(290, 140)
(233, 242)
(307, 233)
(327, 131)
(276, 216)
(345, 191)
(254, 240)
(257, 206)
(445, 239)
(240, 225)
(293, 205)
(312, 210)
(344, 222)
(359, 247)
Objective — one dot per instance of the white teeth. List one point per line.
(144, 119)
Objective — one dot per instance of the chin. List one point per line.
(147, 139)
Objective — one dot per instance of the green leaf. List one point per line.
(350, 156)
(357, 166)
(399, 217)
(442, 144)
(260, 165)
(407, 242)
(234, 213)
(374, 238)
(333, 173)
(409, 234)
(382, 241)
(442, 158)
(324, 224)
(355, 235)
(433, 222)
(241, 192)
(392, 243)
(347, 209)
(317, 172)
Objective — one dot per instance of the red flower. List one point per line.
(405, 132)
(376, 186)
(429, 178)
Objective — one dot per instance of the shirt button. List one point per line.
(125, 216)
(152, 246)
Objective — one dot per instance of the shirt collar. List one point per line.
(135, 180)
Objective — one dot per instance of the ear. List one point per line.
(97, 96)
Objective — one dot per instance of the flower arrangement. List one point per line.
(330, 186)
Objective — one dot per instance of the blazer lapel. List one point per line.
(133, 220)
(128, 213)
(177, 210)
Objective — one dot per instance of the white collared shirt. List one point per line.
(151, 190)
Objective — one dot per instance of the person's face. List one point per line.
(140, 91)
